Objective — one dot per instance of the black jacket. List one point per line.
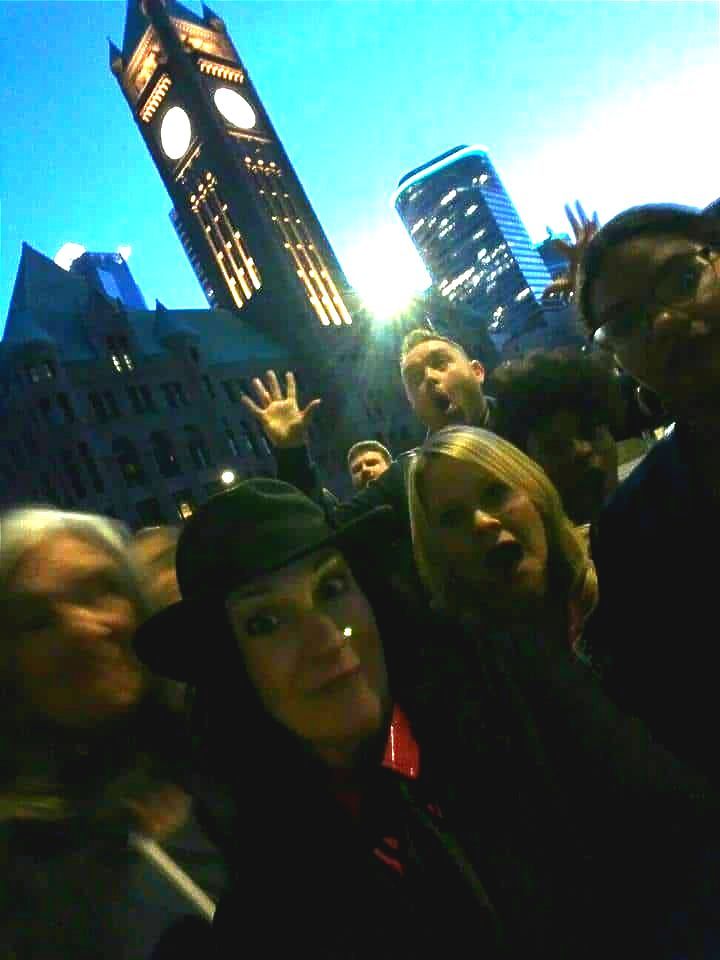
(653, 634)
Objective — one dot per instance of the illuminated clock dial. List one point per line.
(175, 133)
(236, 110)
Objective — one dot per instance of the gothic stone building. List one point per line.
(126, 412)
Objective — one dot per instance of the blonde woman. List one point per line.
(491, 540)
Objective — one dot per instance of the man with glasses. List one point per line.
(649, 291)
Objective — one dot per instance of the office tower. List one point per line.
(473, 242)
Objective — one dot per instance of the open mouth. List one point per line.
(504, 557)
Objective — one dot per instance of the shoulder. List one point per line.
(659, 477)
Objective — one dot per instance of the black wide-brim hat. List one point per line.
(254, 529)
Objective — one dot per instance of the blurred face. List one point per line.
(313, 652)
(74, 625)
(443, 386)
(580, 457)
(154, 554)
(658, 300)
(490, 537)
(366, 467)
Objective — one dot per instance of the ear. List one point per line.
(478, 369)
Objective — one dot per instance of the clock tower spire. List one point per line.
(238, 206)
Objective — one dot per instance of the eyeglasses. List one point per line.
(677, 284)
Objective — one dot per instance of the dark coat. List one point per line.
(566, 832)
(653, 634)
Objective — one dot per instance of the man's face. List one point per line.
(443, 386)
(580, 457)
(313, 653)
(367, 466)
(670, 343)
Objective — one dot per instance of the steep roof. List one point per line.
(51, 305)
(136, 23)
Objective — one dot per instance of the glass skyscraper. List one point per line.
(473, 242)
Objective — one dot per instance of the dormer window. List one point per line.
(120, 354)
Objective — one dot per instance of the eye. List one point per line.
(261, 624)
(334, 586)
(680, 279)
(450, 516)
(495, 494)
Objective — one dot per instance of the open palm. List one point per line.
(584, 229)
(284, 423)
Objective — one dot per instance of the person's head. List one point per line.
(443, 385)
(649, 291)
(264, 577)
(561, 408)
(69, 605)
(366, 461)
(490, 537)
(152, 551)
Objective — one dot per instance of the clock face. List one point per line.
(175, 133)
(236, 110)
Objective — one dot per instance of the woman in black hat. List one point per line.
(370, 806)
(308, 773)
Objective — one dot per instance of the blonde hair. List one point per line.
(489, 453)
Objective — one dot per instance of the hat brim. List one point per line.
(174, 642)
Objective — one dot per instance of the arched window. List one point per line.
(197, 448)
(164, 453)
(126, 457)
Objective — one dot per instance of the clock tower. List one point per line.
(239, 208)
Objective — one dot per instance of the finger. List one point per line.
(310, 409)
(274, 384)
(573, 219)
(581, 213)
(249, 403)
(262, 394)
(290, 385)
(596, 220)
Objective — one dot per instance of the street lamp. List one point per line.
(227, 477)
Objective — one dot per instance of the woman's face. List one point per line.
(490, 536)
(73, 624)
(313, 652)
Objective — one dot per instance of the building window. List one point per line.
(66, 407)
(231, 439)
(209, 388)
(231, 390)
(164, 454)
(96, 402)
(141, 399)
(73, 474)
(149, 512)
(111, 403)
(104, 405)
(40, 371)
(91, 467)
(127, 459)
(197, 448)
(185, 503)
(120, 354)
(175, 395)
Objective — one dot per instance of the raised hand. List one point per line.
(284, 423)
(584, 229)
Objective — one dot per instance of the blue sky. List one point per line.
(612, 102)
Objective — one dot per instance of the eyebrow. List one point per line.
(323, 562)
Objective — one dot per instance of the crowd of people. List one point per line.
(467, 712)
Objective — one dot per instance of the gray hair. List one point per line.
(23, 528)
